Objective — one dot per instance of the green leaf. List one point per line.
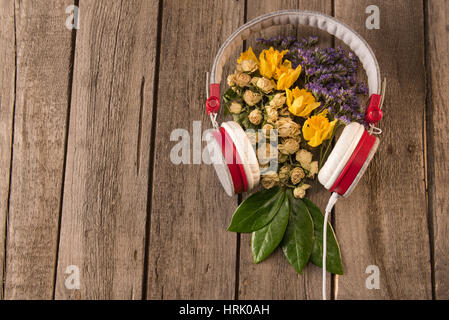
(230, 95)
(226, 111)
(257, 211)
(333, 257)
(265, 240)
(298, 239)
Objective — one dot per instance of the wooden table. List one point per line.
(86, 181)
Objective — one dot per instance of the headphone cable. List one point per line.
(330, 204)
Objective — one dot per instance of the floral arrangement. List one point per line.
(302, 94)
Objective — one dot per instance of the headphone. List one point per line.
(234, 157)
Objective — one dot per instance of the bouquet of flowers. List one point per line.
(291, 100)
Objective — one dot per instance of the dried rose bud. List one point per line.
(284, 173)
(272, 114)
(278, 100)
(265, 85)
(242, 79)
(251, 98)
(313, 169)
(300, 192)
(269, 180)
(304, 157)
(235, 107)
(290, 146)
(255, 117)
(287, 128)
(296, 175)
(248, 66)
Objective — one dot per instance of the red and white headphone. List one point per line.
(235, 161)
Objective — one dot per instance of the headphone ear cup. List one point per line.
(349, 160)
(246, 152)
(340, 154)
(217, 158)
(363, 169)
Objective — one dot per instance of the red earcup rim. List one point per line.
(354, 164)
(229, 159)
(237, 161)
(232, 160)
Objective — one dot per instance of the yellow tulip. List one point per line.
(301, 102)
(284, 67)
(248, 55)
(288, 78)
(317, 128)
(270, 61)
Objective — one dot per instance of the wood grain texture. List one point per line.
(275, 278)
(384, 221)
(106, 184)
(191, 256)
(43, 64)
(7, 87)
(108, 202)
(438, 120)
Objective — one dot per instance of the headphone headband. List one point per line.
(308, 18)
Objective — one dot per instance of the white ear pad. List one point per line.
(218, 160)
(245, 151)
(341, 153)
(363, 169)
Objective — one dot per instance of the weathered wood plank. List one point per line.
(438, 46)
(384, 222)
(7, 84)
(191, 254)
(274, 278)
(43, 65)
(106, 185)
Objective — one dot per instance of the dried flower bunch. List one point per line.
(302, 94)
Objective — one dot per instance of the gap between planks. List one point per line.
(67, 125)
(3, 285)
(428, 145)
(145, 275)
